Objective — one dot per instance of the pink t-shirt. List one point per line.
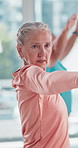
(43, 113)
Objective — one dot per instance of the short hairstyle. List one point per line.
(26, 28)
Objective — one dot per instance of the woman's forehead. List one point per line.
(39, 35)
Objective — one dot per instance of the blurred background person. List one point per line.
(61, 47)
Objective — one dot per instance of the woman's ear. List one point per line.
(19, 48)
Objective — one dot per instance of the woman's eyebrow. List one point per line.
(48, 42)
(35, 43)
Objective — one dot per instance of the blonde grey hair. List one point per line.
(26, 28)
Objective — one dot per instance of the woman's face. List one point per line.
(37, 48)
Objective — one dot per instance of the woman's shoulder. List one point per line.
(29, 68)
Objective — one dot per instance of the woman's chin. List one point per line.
(43, 66)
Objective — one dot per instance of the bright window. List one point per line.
(10, 19)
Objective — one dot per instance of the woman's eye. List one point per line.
(47, 45)
(34, 46)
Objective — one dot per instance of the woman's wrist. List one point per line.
(66, 29)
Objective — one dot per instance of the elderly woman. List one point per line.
(43, 113)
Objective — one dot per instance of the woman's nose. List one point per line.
(42, 51)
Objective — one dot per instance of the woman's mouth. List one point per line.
(41, 61)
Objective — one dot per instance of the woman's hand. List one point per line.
(76, 30)
(71, 22)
